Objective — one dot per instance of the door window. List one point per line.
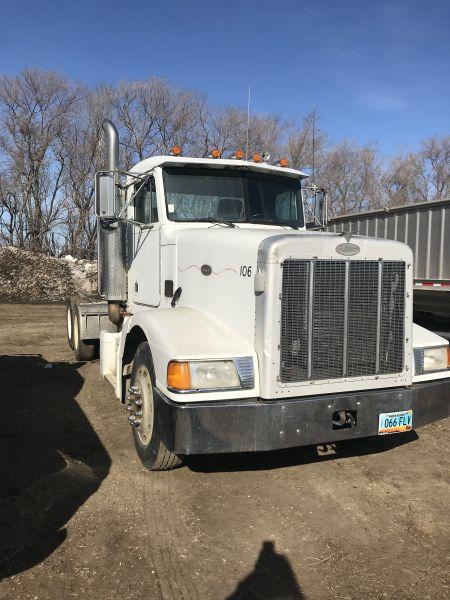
(145, 207)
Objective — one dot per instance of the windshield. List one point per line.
(232, 196)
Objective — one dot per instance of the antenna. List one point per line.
(313, 143)
(248, 122)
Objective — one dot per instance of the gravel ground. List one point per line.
(80, 517)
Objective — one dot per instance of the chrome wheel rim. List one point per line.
(75, 331)
(144, 408)
(69, 324)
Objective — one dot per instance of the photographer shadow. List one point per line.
(272, 578)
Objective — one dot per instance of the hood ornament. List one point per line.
(347, 249)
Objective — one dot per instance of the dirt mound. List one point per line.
(29, 277)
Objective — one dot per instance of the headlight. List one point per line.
(202, 375)
(430, 359)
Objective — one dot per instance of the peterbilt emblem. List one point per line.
(348, 249)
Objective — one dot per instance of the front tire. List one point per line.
(146, 419)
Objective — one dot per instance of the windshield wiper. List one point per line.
(280, 223)
(215, 222)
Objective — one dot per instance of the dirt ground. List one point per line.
(80, 517)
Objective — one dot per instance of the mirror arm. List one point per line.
(135, 193)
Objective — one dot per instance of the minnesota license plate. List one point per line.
(395, 422)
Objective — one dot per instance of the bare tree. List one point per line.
(405, 181)
(34, 109)
(299, 147)
(435, 155)
(353, 176)
(225, 128)
(51, 146)
(80, 150)
(152, 117)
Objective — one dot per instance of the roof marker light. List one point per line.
(239, 154)
(215, 153)
(256, 157)
(175, 150)
(283, 162)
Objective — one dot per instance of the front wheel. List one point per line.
(144, 416)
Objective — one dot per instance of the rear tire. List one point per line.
(83, 351)
(150, 448)
(69, 324)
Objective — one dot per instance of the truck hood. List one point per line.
(216, 266)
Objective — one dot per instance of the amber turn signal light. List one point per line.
(178, 376)
(175, 151)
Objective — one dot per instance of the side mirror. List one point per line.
(320, 208)
(105, 195)
(315, 205)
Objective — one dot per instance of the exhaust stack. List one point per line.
(111, 236)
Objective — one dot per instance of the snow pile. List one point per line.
(29, 277)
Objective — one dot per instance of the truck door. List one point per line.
(144, 274)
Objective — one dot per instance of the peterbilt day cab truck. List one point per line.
(225, 326)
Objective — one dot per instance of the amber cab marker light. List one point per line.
(283, 162)
(178, 376)
(256, 157)
(215, 153)
(239, 154)
(175, 151)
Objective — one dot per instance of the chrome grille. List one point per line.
(392, 318)
(328, 319)
(341, 319)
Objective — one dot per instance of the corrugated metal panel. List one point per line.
(424, 227)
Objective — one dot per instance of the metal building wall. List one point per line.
(424, 227)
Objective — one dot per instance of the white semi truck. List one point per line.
(225, 326)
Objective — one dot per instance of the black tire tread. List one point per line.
(165, 459)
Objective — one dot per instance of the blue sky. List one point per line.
(376, 71)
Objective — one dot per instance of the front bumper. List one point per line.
(255, 424)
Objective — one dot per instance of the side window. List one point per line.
(145, 208)
(286, 206)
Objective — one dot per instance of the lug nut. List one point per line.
(138, 413)
(138, 402)
(131, 418)
(136, 423)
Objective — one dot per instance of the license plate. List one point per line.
(395, 422)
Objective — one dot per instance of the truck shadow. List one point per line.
(51, 459)
(272, 578)
(255, 461)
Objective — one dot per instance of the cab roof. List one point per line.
(148, 164)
